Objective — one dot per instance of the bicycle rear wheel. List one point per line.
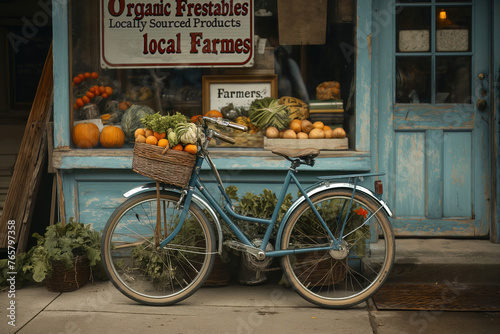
(154, 275)
(348, 276)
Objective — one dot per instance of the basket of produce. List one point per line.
(165, 165)
(165, 150)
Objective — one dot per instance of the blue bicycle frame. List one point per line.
(196, 183)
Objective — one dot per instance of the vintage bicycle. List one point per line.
(335, 242)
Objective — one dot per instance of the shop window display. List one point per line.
(123, 96)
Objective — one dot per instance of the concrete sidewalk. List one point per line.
(269, 308)
(99, 308)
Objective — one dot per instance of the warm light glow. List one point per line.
(442, 14)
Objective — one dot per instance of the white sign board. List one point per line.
(176, 33)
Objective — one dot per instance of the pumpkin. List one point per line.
(298, 108)
(329, 90)
(243, 120)
(213, 113)
(85, 135)
(112, 136)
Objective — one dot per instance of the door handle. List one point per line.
(482, 104)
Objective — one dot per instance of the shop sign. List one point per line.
(176, 33)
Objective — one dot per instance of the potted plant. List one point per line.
(64, 255)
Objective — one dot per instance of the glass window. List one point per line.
(300, 68)
(433, 45)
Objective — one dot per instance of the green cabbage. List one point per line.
(131, 120)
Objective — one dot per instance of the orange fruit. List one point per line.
(87, 75)
(191, 148)
(85, 99)
(163, 142)
(178, 147)
(327, 128)
(141, 132)
(149, 133)
(108, 90)
(159, 135)
(151, 140)
(296, 125)
(94, 75)
(77, 80)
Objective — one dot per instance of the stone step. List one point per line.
(446, 260)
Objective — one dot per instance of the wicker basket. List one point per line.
(65, 279)
(172, 167)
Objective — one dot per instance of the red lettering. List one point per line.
(145, 47)
(237, 45)
(181, 7)
(195, 41)
(160, 48)
(111, 7)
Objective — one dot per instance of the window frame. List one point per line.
(357, 159)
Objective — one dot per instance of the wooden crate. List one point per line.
(242, 140)
(321, 144)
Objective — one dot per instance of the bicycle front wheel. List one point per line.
(346, 276)
(150, 274)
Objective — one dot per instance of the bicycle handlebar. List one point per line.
(225, 122)
(224, 137)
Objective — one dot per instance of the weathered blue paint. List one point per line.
(60, 52)
(439, 117)
(363, 59)
(457, 175)
(436, 156)
(434, 173)
(410, 174)
(232, 163)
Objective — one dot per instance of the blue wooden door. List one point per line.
(433, 139)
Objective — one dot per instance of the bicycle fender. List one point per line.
(321, 188)
(196, 198)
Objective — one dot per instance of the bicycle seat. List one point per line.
(291, 153)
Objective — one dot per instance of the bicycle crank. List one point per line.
(259, 254)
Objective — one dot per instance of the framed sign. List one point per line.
(194, 33)
(241, 90)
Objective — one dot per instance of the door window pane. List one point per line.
(413, 80)
(453, 84)
(453, 29)
(413, 29)
(433, 45)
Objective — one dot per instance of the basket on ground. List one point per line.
(65, 279)
(163, 165)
